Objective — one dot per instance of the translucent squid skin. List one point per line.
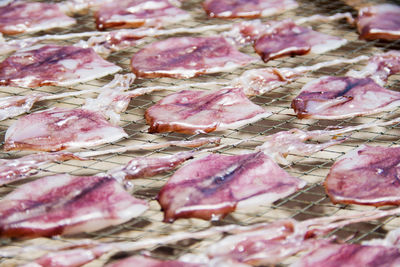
(246, 8)
(228, 182)
(64, 204)
(138, 13)
(331, 255)
(289, 39)
(58, 128)
(27, 17)
(343, 97)
(186, 57)
(368, 175)
(53, 65)
(203, 111)
(379, 22)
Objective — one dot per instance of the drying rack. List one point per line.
(309, 202)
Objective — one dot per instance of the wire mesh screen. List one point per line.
(309, 202)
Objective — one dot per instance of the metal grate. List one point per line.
(307, 203)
